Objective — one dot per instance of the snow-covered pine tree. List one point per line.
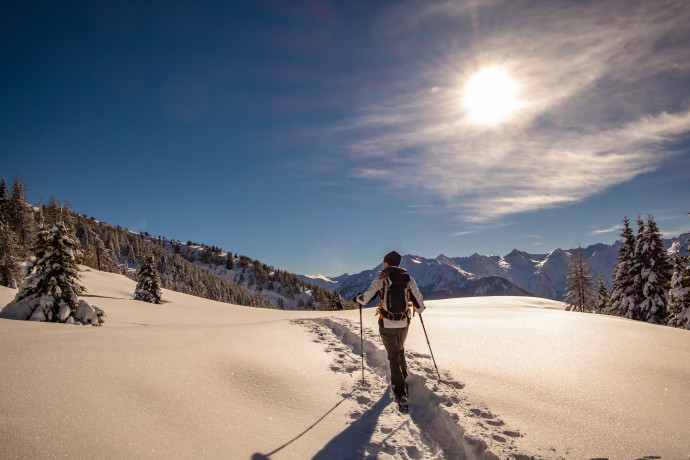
(336, 301)
(149, 281)
(49, 293)
(636, 297)
(10, 254)
(21, 216)
(603, 299)
(679, 294)
(626, 292)
(4, 203)
(579, 294)
(655, 274)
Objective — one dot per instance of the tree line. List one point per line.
(648, 284)
(114, 249)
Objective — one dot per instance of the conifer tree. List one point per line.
(10, 254)
(679, 294)
(336, 301)
(50, 291)
(95, 253)
(623, 298)
(655, 274)
(149, 282)
(603, 299)
(21, 216)
(579, 294)
(634, 310)
(4, 203)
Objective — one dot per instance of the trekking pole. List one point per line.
(432, 353)
(361, 339)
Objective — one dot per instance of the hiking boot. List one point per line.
(402, 404)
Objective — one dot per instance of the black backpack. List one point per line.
(396, 289)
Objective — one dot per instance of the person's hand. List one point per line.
(354, 299)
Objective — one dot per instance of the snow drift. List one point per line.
(196, 378)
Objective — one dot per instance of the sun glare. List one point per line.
(490, 96)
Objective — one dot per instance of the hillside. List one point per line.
(198, 378)
(200, 270)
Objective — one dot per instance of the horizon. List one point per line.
(316, 136)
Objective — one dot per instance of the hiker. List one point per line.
(399, 297)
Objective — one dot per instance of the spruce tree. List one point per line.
(603, 299)
(149, 282)
(624, 275)
(655, 274)
(579, 294)
(95, 253)
(50, 291)
(52, 212)
(10, 255)
(21, 216)
(4, 203)
(636, 297)
(679, 293)
(336, 301)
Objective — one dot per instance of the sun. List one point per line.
(490, 96)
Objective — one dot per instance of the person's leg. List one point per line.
(402, 336)
(394, 342)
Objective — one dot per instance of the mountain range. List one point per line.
(517, 273)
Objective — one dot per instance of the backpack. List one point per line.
(395, 294)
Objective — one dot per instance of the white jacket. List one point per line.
(374, 290)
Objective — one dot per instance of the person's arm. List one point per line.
(371, 292)
(417, 298)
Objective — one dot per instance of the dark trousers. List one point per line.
(394, 341)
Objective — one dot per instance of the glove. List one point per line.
(354, 299)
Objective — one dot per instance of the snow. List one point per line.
(195, 378)
(320, 277)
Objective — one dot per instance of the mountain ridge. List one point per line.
(523, 273)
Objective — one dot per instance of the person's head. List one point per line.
(392, 259)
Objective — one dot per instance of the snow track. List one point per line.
(441, 423)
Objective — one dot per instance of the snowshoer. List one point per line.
(399, 298)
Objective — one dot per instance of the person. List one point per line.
(399, 298)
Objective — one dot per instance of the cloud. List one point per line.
(603, 93)
(605, 230)
(469, 232)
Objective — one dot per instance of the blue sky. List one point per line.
(318, 135)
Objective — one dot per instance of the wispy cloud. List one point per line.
(605, 230)
(599, 97)
(675, 232)
(468, 232)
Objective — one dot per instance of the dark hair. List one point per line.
(392, 258)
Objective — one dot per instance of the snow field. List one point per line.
(434, 426)
(195, 378)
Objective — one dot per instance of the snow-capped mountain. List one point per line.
(517, 273)
(438, 278)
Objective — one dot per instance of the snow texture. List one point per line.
(192, 378)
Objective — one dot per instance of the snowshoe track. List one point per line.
(441, 423)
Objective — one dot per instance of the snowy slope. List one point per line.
(196, 378)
